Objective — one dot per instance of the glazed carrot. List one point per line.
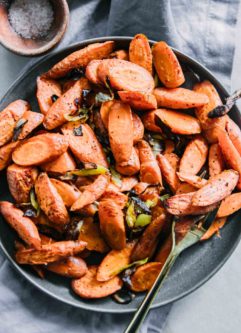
(84, 84)
(216, 189)
(148, 241)
(20, 181)
(230, 153)
(7, 124)
(194, 156)
(127, 183)
(214, 228)
(50, 200)
(138, 128)
(120, 129)
(105, 110)
(33, 119)
(6, 154)
(179, 98)
(17, 108)
(64, 105)
(112, 224)
(215, 160)
(47, 91)
(132, 166)
(80, 58)
(89, 287)
(140, 52)
(229, 205)
(145, 276)
(86, 148)
(24, 226)
(49, 252)
(173, 159)
(138, 100)
(91, 193)
(116, 196)
(149, 122)
(149, 171)
(234, 134)
(90, 233)
(91, 71)
(167, 65)
(69, 193)
(185, 188)
(60, 165)
(40, 149)
(179, 123)
(193, 180)
(114, 262)
(71, 267)
(168, 172)
(120, 54)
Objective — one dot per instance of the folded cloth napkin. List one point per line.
(202, 29)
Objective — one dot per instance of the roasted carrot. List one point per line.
(6, 154)
(116, 196)
(173, 159)
(71, 267)
(127, 183)
(140, 52)
(105, 110)
(140, 187)
(33, 119)
(185, 188)
(17, 108)
(47, 91)
(149, 171)
(179, 98)
(149, 121)
(214, 228)
(60, 165)
(145, 276)
(215, 160)
(193, 180)
(138, 100)
(132, 166)
(7, 124)
(168, 172)
(91, 71)
(24, 226)
(229, 205)
(194, 156)
(120, 54)
(234, 134)
(151, 193)
(216, 189)
(69, 193)
(167, 65)
(85, 84)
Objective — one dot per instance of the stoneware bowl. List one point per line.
(33, 47)
(193, 268)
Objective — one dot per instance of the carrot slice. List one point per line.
(168, 172)
(50, 200)
(60, 165)
(179, 123)
(229, 205)
(112, 224)
(92, 71)
(140, 52)
(179, 98)
(46, 89)
(120, 129)
(114, 262)
(69, 193)
(234, 134)
(40, 149)
(215, 160)
(71, 267)
(140, 187)
(127, 183)
(88, 286)
(216, 189)
(120, 54)
(91, 193)
(138, 100)
(194, 156)
(214, 228)
(151, 193)
(145, 276)
(113, 193)
(185, 188)
(149, 121)
(20, 181)
(105, 110)
(167, 65)
(7, 124)
(24, 226)
(149, 171)
(86, 148)
(173, 159)
(65, 105)
(193, 180)
(132, 166)
(17, 108)
(84, 84)
(34, 119)
(6, 154)
(80, 58)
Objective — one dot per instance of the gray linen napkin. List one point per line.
(202, 29)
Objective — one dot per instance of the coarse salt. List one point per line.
(30, 18)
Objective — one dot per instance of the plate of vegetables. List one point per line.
(111, 166)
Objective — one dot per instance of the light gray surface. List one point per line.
(215, 307)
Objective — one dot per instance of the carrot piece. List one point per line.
(114, 262)
(120, 129)
(105, 110)
(230, 153)
(145, 276)
(229, 205)
(179, 123)
(168, 172)
(91, 193)
(65, 105)
(71, 267)
(49, 252)
(17, 108)
(209, 125)
(132, 166)
(24, 226)
(86, 148)
(20, 181)
(138, 128)
(140, 52)
(120, 54)
(140, 187)
(149, 171)
(40, 149)
(50, 200)
(179, 98)
(215, 160)
(69, 193)
(167, 65)
(60, 165)
(80, 58)
(173, 159)
(234, 134)
(181, 205)
(216, 189)
(34, 119)
(193, 180)
(214, 228)
(6, 154)
(148, 241)
(112, 224)
(138, 100)
(151, 193)
(46, 88)
(115, 195)
(7, 124)
(84, 84)
(149, 122)
(127, 183)
(92, 71)
(88, 286)
(194, 156)
(185, 188)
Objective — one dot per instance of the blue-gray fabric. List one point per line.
(204, 30)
